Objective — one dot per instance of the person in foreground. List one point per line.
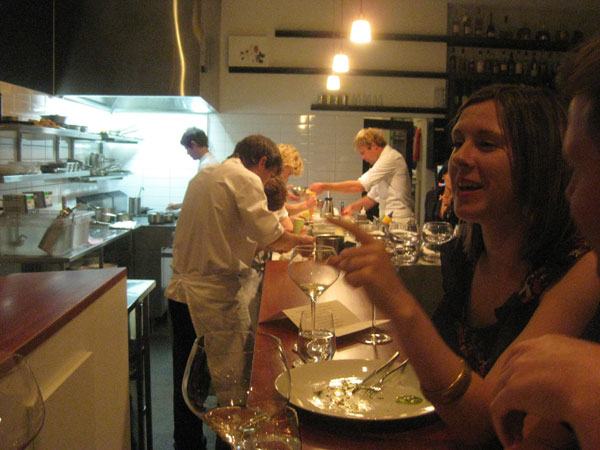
(558, 377)
(517, 271)
(387, 181)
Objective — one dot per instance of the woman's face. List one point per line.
(583, 154)
(481, 167)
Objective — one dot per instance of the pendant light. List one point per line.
(340, 60)
(333, 83)
(361, 29)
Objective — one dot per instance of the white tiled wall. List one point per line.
(161, 165)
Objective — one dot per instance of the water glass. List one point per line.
(404, 240)
(316, 339)
(434, 235)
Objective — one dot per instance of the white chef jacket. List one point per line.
(223, 218)
(388, 183)
(208, 159)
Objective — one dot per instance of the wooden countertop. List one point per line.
(33, 306)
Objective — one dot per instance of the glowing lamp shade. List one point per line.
(340, 63)
(361, 31)
(333, 83)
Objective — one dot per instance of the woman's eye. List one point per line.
(488, 145)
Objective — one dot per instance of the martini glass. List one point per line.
(308, 268)
(21, 405)
(229, 383)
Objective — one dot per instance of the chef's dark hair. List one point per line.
(580, 75)
(252, 148)
(196, 135)
(533, 122)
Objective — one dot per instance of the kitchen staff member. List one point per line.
(223, 218)
(187, 427)
(387, 182)
(195, 142)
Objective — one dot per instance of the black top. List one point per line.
(481, 347)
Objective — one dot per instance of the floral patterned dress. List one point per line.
(481, 347)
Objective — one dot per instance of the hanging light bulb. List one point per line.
(361, 29)
(333, 83)
(340, 63)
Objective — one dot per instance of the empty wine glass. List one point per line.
(240, 367)
(21, 405)
(434, 235)
(316, 341)
(404, 242)
(308, 268)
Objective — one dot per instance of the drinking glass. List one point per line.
(21, 404)
(308, 268)
(281, 432)
(434, 235)
(240, 368)
(404, 241)
(316, 342)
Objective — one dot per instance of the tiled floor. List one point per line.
(162, 387)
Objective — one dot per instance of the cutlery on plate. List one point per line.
(377, 371)
(379, 384)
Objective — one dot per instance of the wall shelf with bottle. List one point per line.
(327, 71)
(378, 108)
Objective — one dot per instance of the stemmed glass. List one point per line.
(434, 235)
(308, 268)
(241, 368)
(21, 405)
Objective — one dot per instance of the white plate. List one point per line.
(315, 388)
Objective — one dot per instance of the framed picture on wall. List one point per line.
(248, 51)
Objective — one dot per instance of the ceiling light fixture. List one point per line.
(341, 63)
(361, 29)
(333, 83)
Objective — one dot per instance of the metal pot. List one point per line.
(156, 218)
(123, 216)
(332, 240)
(169, 217)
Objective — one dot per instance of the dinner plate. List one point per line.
(326, 388)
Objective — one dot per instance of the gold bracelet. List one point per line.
(452, 393)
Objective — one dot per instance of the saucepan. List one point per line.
(156, 218)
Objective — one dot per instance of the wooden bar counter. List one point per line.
(71, 326)
(321, 432)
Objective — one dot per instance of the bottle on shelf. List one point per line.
(495, 66)
(462, 62)
(562, 35)
(505, 31)
(480, 63)
(503, 63)
(524, 33)
(519, 65)
(543, 67)
(478, 32)
(489, 62)
(534, 70)
(491, 29)
(511, 64)
(471, 67)
(452, 61)
(542, 34)
(467, 28)
(455, 30)
(526, 64)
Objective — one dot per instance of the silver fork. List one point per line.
(378, 386)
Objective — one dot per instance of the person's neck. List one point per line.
(503, 243)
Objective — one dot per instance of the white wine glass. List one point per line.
(308, 268)
(229, 383)
(21, 405)
(434, 235)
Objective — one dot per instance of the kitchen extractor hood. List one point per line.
(138, 103)
(137, 55)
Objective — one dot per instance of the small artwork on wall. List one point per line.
(248, 51)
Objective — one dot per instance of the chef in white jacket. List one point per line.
(223, 219)
(387, 182)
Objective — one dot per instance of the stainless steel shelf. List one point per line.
(43, 176)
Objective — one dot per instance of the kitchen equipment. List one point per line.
(18, 203)
(327, 208)
(156, 218)
(332, 240)
(66, 231)
(58, 120)
(123, 217)
(135, 204)
(169, 217)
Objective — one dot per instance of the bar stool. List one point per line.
(138, 303)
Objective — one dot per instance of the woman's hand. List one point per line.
(369, 266)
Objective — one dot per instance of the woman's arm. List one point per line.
(347, 187)
(435, 364)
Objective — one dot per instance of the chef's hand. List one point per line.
(311, 201)
(290, 195)
(317, 188)
(173, 206)
(369, 266)
(553, 377)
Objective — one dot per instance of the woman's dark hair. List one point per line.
(580, 75)
(196, 135)
(252, 148)
(533, 122)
